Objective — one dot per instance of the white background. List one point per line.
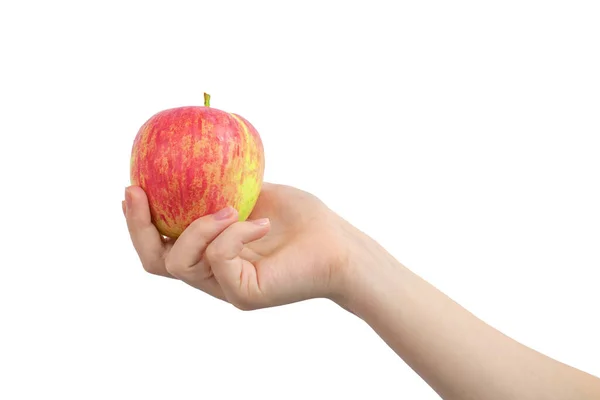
(461, 135)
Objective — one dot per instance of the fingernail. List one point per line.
(127, 198)
(124, 206)
(261, 222)
(223, 214)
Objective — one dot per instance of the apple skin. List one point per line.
(195, 160)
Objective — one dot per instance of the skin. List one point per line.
(293, 248)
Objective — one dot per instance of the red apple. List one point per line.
(195, 160)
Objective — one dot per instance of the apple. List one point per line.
(195, 160)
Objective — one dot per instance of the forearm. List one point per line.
(457, 354)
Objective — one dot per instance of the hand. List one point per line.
(291, 248)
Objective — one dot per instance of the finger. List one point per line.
(237, 277)
(186, 260)
(146, 239)
(209, 286)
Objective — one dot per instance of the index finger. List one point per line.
(146, 239)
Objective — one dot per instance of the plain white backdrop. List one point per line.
(464, 136)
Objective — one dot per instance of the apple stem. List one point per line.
(206, 100)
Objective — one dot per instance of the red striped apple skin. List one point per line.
(195, 160)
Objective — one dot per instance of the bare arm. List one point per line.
(313, 253)
(457, 354)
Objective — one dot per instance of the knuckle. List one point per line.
(245, 301)
(196, 227)
(200, 227)
(151, 268)
(198, 233)
(171, 266)
(216, 251)
(243, 304)
(147, 267)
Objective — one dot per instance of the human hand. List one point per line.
(291, 248)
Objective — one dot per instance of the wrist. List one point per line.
(368, 270)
